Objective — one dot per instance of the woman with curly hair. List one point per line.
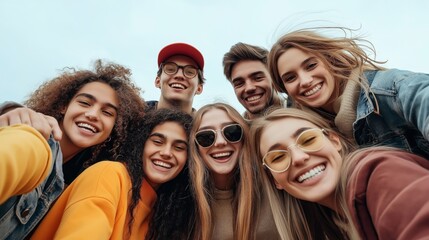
(330, 190)
(225, 183)
(114, 199)
(93, 109)
(338, 79)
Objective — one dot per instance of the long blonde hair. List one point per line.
(295, 218)
(245, 203)
(340, 55)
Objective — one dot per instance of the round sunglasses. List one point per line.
(207, 137)
(310, 140)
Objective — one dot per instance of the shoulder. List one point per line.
(151, 105)
(106, 178)
(380, 167)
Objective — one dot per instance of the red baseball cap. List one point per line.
(181, 49)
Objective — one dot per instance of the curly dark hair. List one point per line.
(174, 208)
(55, 95)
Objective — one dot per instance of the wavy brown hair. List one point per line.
(55, 95)
(172, 213)
(340, 55)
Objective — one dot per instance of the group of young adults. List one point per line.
(345, 156)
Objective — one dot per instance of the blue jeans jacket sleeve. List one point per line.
(403, 103)
(20, 215)
(411, 95)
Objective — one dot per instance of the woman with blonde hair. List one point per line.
(225, 182)
(338, 79)
(332, 191)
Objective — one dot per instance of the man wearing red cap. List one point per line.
(180, 77)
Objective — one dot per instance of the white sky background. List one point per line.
(39, 38)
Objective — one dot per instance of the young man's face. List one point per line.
(178, 87)
(252, 85)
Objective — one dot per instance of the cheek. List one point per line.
(291, 89)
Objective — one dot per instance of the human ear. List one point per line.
(158, 82)
(278, 186)
(336, 141)
(199, 89)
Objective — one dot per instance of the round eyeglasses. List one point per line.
(207, 137)
(310, 140)
(171, 68)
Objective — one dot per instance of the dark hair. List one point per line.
(55, 95)
(242, 51)
(174, 206)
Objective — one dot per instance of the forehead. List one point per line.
(182, 60)
(246, 67)
(100, 91)
(282, 131)
(292, 56)
(215, 118)
(171, 130)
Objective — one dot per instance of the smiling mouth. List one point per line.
(254, 98)
(313, 90)
(87, 127)
(311, 173)
(162, 164)
(221, 156)
(178, 86)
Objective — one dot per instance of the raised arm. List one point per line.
(14, 113)
(25, 160)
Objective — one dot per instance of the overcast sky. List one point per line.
(39, 38)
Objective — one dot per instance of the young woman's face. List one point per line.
(165, 153)
(312, 175)
(306, 78)
(90, 116)
(222, 156)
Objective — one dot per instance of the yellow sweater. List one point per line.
(95, 206)
(25, 160)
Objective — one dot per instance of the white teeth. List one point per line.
(219, 155)
(177, 85)
(313, 90)
(253, 98)
(87, 126)
(313, 172)
(162, 164)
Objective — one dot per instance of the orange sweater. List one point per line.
(95, 206)
(25, 160)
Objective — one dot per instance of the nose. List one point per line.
(180, 72)
(220, 140)
(249, 87)
(298, 156)
(92, 114)
(306, 79)
(165, 151)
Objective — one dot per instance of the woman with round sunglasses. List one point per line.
(337, 78)
(225, 182)
(331, 190)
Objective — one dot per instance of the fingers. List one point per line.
(56, 130)
(46, 125)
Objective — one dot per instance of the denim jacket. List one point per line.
(20, 215)
(402, 120)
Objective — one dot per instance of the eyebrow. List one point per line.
(302, 64)
(95, 99)
(294, 135)
(160, 135)
(251, 75)
(222, 125)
